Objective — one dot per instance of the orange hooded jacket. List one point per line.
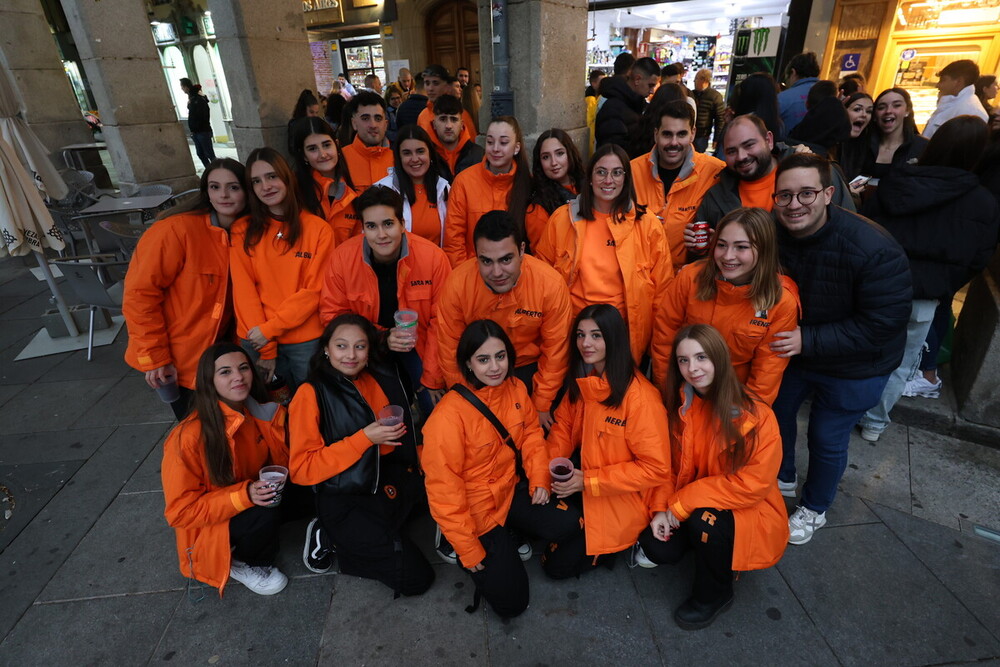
(643, 258)
(536, 314)
(350, 285)
(426, 121)
(276, 287)
(367, 164)
(176, 293)
(198, 510)
(704, 479)
(470, 477)
(476, 191)
(675, 211)
(624, 455)
(747, 332)
(339, 213)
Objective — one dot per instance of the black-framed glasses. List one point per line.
(805, 197)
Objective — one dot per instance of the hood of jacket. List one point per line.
(617, 88)
(910, 188)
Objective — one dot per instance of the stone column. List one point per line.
(46, 98)
(146, 142)
(975, 356)
(265, 52)
(548, 66)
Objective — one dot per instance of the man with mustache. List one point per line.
(751, 157)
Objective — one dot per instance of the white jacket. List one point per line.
(443, 186)
(949, 106)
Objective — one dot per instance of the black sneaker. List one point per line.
(443, 548)
(318, 553)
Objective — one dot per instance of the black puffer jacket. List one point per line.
(945, 220)
(619, 117)
(199, 114)
(854, 283)
(471, 154)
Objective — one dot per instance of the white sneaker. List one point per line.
(524, 551)
(803, 523)
(636, 556)
(922, 387)
(788, 488)
(870, 434)
(260, 580)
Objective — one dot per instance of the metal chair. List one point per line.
(126, 235)
(150, 191)
(99, 239)
(82, 191)
(98, 282)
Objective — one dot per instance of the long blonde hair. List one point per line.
(765, 281)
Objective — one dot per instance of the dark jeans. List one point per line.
(367, 531)
(710, 533)
(203, 147)
(837, 405)
(253, 534)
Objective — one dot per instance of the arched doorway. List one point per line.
(453, 36)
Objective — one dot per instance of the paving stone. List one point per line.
(105, 564)
(54, 406)
(9, 391)
(754, 631)
(880, 471)
(29, 562)
(28, 370)
(107, 362)
(147, 478)
(130, 401)
(50, 446)
(30, 306)
(106, 631)
(597, 619)
(244, 628)
(17, 333)
(367, 626)
(875, 603)
(967, 565)
(954, 482)
(30, 487)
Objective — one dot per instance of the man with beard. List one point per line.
(451, 139)
(368, 157)
(751, 157)
(672, 179)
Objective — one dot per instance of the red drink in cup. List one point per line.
(275, 476)
(390, 415)
(561, 469)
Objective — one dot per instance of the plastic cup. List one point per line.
(561, 469)
(275, 476)
(168, 391)
(390, 415)
(406, 322)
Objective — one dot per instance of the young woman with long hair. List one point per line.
(416, 176)
(894, 139)
(557, 178)
(176, 300)
(852, 151)
(612, 422)
(740, 290)
(362, 467)
(502, 181)
(277, 257)
(324, 185)
(608, 249)
(724, 502)
(477, 486)
(218, 507)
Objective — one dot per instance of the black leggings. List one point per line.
(253, 534)
(367, 532)
(503, 581)
(710, 532)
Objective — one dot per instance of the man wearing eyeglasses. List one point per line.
(368, 157)
(855, 288)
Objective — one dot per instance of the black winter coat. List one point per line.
(471, 154)
(854, 284)
(409, 111)
(945, 220)
(199, 115)
(619, 118)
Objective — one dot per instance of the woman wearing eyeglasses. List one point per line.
(608, 249)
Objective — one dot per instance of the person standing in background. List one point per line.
(199, 121)
(711, 111)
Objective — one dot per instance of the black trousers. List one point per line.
(710, 533)
(503, 581)
(568, 557)
(182, 405)
(253, 534)
(367, 532)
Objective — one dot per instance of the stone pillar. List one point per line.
(46, 98)
(975, 356)
(146, 142)
(265, 52)
(548, 66)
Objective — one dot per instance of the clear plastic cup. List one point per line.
(168, 391)
(406, 322)
(390, 415)
(561, 469)
(275, 476)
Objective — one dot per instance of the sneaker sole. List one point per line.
(307, 547)
(261, 592)
(807, 538)
(870, 437)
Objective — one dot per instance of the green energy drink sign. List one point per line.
(754, 50)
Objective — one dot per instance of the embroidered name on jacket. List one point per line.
(759, 319)
(614, 421)
(529, 313)
(418, 283)
(303, 254)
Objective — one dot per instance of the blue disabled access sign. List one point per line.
(850, 62)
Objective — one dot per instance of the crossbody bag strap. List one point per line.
(474, 400)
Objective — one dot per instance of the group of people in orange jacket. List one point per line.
(544, 304)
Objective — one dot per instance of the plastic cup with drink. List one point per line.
(390, 415)
(275, 477)
(406, 324)
(561, 469)
(168, 391)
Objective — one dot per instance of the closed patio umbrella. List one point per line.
(26, 225)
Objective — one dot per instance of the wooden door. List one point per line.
(453, 36)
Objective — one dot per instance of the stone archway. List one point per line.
(452, 28)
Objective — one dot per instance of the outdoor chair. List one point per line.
(126, 235)
(98, 282)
